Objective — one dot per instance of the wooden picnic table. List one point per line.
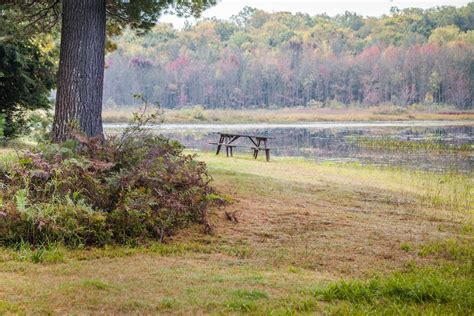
(259, 142)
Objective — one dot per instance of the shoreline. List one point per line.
(289, 115)
(316, 124)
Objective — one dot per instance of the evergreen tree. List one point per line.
(83, 40)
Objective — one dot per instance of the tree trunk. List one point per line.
(81, 69)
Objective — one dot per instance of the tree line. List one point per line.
(260, 59)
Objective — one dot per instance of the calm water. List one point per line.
(444, 145)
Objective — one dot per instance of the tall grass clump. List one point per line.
(89, 191)
(449, 190)
(447, 288)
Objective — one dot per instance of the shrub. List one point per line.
(195, 113)
(315, 104)
(71, 223)
(127, 189)
(2, 125)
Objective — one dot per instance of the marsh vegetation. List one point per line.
(200, 114)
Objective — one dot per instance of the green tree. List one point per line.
(443, 35)
(26, 76)
(83, 41)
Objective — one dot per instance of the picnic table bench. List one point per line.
(258, 143)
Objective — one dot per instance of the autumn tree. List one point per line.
(260, 59)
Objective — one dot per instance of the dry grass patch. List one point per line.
(198, 114)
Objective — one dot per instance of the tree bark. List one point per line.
(81, 69)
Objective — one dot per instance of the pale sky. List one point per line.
(226, 8)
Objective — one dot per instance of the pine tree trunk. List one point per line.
(81, 69)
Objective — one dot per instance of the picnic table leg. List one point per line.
(232, 151)
(267, 150)
(257, 149)
(221, 140)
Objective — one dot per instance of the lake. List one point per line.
(429, 145)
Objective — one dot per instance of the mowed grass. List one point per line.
(309, 238)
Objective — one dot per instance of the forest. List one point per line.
(269, 60)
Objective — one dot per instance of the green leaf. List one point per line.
(21, 199)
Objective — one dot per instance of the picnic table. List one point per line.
(258, 143)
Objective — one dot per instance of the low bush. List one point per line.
(127, 189)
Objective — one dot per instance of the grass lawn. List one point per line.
(304, 237)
